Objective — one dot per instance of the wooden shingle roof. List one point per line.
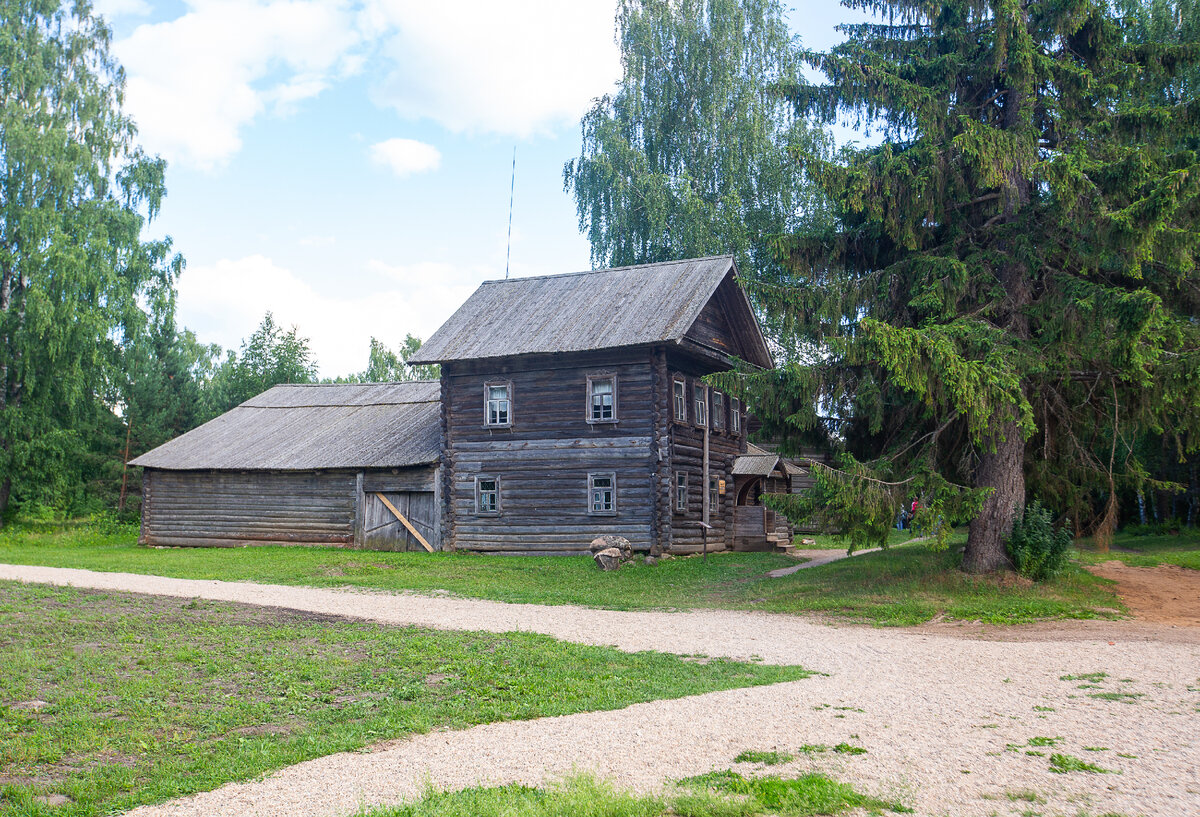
(307, 427)
(602, 309)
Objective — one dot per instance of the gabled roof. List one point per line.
(305, 427)
(755, 462)
(761, 462)
(602, 309)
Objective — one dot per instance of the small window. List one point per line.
(681, 491)
(602, 399)
(701, 393)
(680, 401)
(497, 404)
(487, 496)
(718, 409)
(735, 415)
(602, 493)
(714, 496)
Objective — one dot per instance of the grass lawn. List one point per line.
(1181, 549)
(114, 700)
(901, 586)
(719, 794)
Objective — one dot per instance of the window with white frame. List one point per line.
(735, 415)
(714, 496)
(701, 394)
(680, 401)
(602, 493)
(681, 497)
(487, 496)
(497, 404)
(718, 410)
(602, 399)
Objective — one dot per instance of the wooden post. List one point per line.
(360, 521)
(704, 478)
(125, 465)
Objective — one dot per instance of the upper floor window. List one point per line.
(680, 401)
(718, 409)
(497, 404)
(602, 399)
(701, 393)
(735, 415)
(681, 491)
(602, 493)
(487, 496)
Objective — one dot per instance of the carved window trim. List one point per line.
(590, 406)
(679, 399)
(505, 411)
(482, 506)
(700, 401)
(595, 496)
(681, 492)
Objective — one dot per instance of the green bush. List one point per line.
(1038, 551)
(1166, 528)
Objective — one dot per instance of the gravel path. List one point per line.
(815, 558)
(941, 717)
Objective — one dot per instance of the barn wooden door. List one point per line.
(383, 530)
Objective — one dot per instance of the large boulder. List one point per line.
(608, 559)
(608, 540)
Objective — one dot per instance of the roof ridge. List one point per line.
(339, 405)
(344, 385)
(608, 269)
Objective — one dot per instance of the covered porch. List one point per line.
(755, 526)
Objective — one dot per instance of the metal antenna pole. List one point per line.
(511, 189)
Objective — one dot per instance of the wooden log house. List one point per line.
(569, 406)
(574, 405)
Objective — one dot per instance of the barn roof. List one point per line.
(306, 427)
(601, 309)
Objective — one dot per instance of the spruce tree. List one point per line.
(1010, 294)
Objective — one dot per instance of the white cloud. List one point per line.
(406, 156)
(196, 81)
(225, 301)
(515, 68)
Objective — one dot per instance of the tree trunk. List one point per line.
(1002, 471)
(5, 493)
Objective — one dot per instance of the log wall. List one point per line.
(335, 507)
(687, 454)
(235, 508)
(544, 458)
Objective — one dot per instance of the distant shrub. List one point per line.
(1038, 550)
(1168, 527)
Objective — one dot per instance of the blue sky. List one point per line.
(346, 164)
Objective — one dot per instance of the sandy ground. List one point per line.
(946, 713)
(1168, 593)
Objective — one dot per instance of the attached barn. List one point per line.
(347, 464)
